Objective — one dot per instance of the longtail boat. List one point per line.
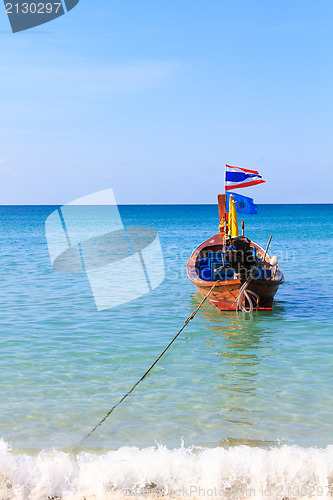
(248, 278)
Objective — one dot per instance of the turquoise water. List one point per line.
(263, 380)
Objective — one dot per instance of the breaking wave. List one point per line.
(235, 472)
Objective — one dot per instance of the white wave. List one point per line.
(236, 472)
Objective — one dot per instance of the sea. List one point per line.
(240, 406)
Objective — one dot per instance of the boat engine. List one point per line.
(240, 255)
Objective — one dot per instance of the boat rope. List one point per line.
(244, 293)
(151, 367)
(248, 294)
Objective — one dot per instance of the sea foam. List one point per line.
(235, 472)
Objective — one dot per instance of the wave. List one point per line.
(235, 472)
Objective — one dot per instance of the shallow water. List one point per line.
(263, 380)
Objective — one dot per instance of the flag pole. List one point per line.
(226, 215)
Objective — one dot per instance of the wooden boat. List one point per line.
(248, 278)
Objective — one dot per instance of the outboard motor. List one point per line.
(240, 255)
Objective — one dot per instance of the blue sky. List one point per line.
(152, 98)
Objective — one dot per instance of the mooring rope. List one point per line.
(150, 368)
(244, 292)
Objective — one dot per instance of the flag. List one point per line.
(232, 221)
(236, 177)
(244, 205)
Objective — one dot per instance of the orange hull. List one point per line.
(225, 295)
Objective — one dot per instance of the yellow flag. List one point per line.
(233, 224)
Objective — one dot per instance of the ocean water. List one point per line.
(240, 406)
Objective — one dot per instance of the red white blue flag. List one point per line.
(236, 177)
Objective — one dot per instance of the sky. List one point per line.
(153, 98)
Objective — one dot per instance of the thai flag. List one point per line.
(236, 177)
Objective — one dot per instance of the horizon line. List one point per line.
(153, 204)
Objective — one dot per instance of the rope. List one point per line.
(247, 294)
(150, 368)
(243, 292)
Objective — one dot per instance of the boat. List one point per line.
(235, 272)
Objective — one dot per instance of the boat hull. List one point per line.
(224, 297)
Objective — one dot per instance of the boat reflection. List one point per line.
(242, 345)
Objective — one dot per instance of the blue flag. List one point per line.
(244, 205)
